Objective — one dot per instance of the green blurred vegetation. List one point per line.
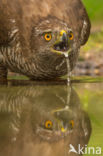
(94, 9)
(95, 42)
(86, 79)
(91, 96)
(21, 77)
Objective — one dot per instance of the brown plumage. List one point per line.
(23, 26)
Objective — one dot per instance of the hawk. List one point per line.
(35, 35)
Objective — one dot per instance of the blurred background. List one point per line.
(91, 55)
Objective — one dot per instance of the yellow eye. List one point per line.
(48, 124)
(48, 36)
(72, 123)
(71, 36)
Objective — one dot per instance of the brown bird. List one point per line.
(35, 35)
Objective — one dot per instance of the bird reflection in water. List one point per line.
(41, 120)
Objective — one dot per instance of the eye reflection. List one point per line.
(71, 124)
(48, 124)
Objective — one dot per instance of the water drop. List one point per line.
(68, 67)
(66, 55)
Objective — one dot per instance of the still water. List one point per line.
(50, 119)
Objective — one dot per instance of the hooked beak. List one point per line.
(62, 46)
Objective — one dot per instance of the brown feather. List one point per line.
(25, 15)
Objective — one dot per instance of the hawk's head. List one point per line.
(53, 36)
(52, 40)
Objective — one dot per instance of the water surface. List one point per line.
(46, 118)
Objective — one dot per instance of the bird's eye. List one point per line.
(48, 36)
(71, 123)
(48, 124)
(71, 36)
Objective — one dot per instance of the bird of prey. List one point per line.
(35, 35)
